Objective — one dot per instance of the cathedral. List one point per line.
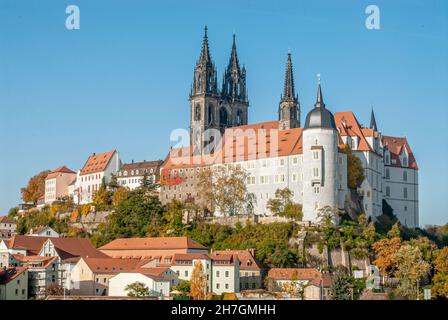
(308, 159)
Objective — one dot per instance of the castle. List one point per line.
(309, 160)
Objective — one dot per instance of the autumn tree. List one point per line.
(411, 268)
(440, 279)
(341, 288)
(119, 195)
(385, 250)
(283, 206)
(102, 198)
(223, 188)
(35, 188)
(198, 282)
(137, 290)
(355, 171)
(173, 217)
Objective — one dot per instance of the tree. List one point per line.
(13, 212)
(35, 188)
(54, 290)
(355, 171)
(119, 195)
(102, 198)
(411, 268)
(113, 183)
(197, 282)
(173, 217)
(183, 287)
(440, 279)
(137, 290)
(283, 206)
(341, 288)
(395, 232)
(385, 250)
(223, 188)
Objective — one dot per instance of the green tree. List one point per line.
(13, 212)
(341, 288)
(102, 198)
(35, 188)
(113, 182)
(137, 290)
(355, 171)
(184, 287)
(173, 218)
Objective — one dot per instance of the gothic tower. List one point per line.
(204, 99)
(234, 108)
(289, 108)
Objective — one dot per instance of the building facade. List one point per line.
(131, 175)
(57, 183)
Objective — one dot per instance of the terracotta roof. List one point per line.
(155, 165)
(97, 163)
(111, 265)
(38, 229)
(152, 243)
(348, 125)
(6, 219)
(57, 171)
(34, 261)
(247, 260)
(9, 274)
(31, 244)
(311, 274)
(76, 247)
(395, 145)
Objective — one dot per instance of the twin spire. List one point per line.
(205, 52)
(288, 90)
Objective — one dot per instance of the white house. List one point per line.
(158, 286)
(131, 174)
(98, 169)
(57, 184)
(43, 231)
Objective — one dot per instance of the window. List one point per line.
(223, 117)
(217, 286)
(294, 161)
(405, 161)
(387, 191)
(217, 274)
(227, 274)
(405, 193)
(316, 155)
(405, 176)
(387, 173)
(316, 189)
(315, 172)
(405, 208)
(227, 286)
(294, 177)
(186, 273)
(282, 162)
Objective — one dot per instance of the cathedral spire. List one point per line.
(234, 82)
(205, 52)
(373, 121)
(288, 90)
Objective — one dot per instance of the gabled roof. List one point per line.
(34, 261)
(395, 145)
(153, 243)
(97, 162)
(141, 166)
(9, 274)
(31, 244)
(68, 248)
(247, 260)
(348, 125)
(39, 229)
(6, 219)
(63, 169)
(111, 265)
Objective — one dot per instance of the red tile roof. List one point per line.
(97, 162)
(311, 274)
(153, 244)
(348, 125)
(34, 261)
(395, 145)
(7, 220)
(76, 247)
(57, 171)
(31, 244)
(247, 260)
(111, 265)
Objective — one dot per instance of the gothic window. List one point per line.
(223, 117)
(239, 117)
(210, 114)
(197, 112)
(199, 83)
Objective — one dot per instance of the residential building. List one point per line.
(14, 283)
(151, 248)
(43, 231)
(8, 227)
(310, 160)
(157, 285)
(131, 175)
(310, 282)
(56, 184)
(251, 271)
(97, 170)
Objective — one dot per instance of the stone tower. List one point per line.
(204, 98)
(234, 107)
(320, 167)
(289, 108)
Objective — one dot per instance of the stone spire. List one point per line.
(234, 79)
(320, 98)
(373, 121)
(288, 90)
(205, 52)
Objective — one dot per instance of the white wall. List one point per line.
(118, 283)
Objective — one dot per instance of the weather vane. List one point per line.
(318, 78)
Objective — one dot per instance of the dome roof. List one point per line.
(319, 117)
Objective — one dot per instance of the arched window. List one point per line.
(197, 112)
(405, 176)
(239, 117)
(210, 114)
(223, 117)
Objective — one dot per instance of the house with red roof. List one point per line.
(8, 227)
(14, 283)
(308, 158)
(98, 169)
(57, 182)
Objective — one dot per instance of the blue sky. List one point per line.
(122, 80)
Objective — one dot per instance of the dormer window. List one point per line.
(125, 173)
(405, 161)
